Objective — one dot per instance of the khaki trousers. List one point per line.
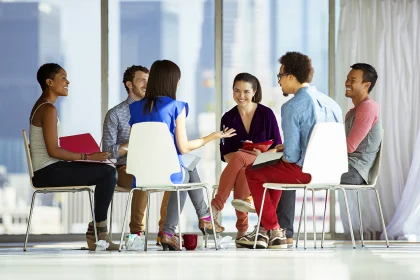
(139, 203)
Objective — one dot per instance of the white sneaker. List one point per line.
(245, 206)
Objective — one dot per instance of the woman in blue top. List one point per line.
(160, 105)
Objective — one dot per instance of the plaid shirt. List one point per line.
(116, 130)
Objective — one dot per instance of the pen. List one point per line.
(223, 139)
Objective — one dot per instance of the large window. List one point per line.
(33, 33)
(143, 31)
(255, 34)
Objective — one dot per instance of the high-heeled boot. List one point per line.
(102, 230)
(204, 224)
(170, 242)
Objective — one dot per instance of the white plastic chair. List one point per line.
(47, 189)
(152, 159)
(326, 160)
(373, 177)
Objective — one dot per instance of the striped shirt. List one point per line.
(116, 130)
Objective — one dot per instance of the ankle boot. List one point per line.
(171, 243)
(206, 226)
(102, 230)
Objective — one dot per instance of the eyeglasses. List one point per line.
(281, 75)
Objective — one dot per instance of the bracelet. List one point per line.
(203, 142)
(88, 156)
(82, 156)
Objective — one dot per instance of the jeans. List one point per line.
(64, 173)
(197, 198)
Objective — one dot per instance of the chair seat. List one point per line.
(121, 189)
(64, 188)
(296, 186)
(357, 186)
(174, 187)
(189, 185)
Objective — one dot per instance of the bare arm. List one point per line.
(49, 128)
(185, 146)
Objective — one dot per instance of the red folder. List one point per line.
(81, 143)
(262, 146)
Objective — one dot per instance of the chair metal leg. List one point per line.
(212, 222)
(313, 216)
(29, 221)
(259, 218)
(213, 195)
(179, 220)
(90, 193)
(360, 218)
(304, 219)
(147, 221)
(382, 217)
(110, 219)
(348, 216)
(207, 238)
(300, 223)
(323, 222)
(125, 218)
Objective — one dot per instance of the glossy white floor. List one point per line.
(337, 261)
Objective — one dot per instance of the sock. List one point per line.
(207, 219)
(168, 234)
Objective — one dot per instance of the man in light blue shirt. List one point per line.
(299, 116)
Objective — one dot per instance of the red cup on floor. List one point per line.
(190, 241)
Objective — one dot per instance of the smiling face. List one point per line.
(59, 84)
(139, 84)
(243, 93)
(355, 85)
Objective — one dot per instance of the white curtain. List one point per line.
(386, 34)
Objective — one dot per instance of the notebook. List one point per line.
(266, 159)
(81, 143)
(190, 161)
(262, 146)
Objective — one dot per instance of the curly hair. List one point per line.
(130, 73)
(298, 65)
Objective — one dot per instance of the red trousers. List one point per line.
(282, 172)
(233, 177)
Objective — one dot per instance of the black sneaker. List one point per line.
(247, 241)
(277, 239)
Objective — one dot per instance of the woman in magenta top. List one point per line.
(252, 122)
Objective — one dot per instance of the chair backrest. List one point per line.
(376, 167)
(28, 155)
(326, 156)
(152, 157)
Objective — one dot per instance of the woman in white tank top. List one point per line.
(55, 166)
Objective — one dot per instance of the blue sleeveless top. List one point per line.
(166, 110)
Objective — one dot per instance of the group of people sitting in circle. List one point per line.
(152, 97)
